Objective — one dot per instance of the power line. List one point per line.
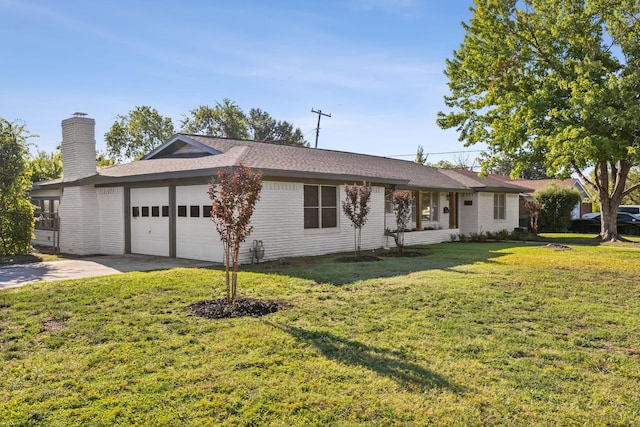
(320, 114)
(444, 152)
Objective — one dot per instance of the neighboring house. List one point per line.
(585, 205)
(159, 205)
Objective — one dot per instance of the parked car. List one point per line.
(632, 209)
(590, 215)
(627, 224)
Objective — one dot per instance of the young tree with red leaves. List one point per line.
(234, 198)
(356, 208)
(402, 201)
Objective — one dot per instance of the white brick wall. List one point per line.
(479, 217)
(279, 222)
(111, 220)
(93, 221)
(427, 237)
(79, 221)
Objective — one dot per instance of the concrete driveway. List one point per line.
(19, 274)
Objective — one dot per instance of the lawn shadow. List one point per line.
(388, 363)
(325, 269)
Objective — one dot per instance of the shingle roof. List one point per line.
(282, 161)
(536, 184)
(476, 182)
(301, 160)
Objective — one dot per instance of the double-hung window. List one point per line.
(499, 206)
(430, 206)
(320, 206)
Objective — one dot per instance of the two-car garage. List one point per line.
(173, 221)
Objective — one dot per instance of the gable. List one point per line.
(181, 147)
(582, 190)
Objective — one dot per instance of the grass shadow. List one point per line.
(325, 269)
(391, 364)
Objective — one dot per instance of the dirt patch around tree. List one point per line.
(219, 309)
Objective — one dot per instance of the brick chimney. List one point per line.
(79, 228)
(78, 147)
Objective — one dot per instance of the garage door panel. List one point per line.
(150, 221)
(196, 235)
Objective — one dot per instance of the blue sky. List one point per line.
(375, 65)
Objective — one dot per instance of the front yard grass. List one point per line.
(469, 334)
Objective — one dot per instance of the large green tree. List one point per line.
(556, 82)
(226, 119)
(16, 212)
(137, 133)
(264, 128)
(45, 166)
(633, 178)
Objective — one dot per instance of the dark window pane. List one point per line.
(329, 196)
(135, 211)
(194, 211)
(311, 218)
(206, 211)
(182, 211)
(145, 211)
(329, 217)
(310, 196)
(165, 211)
(155, 210)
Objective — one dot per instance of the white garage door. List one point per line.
(196, 235)
(150, 221)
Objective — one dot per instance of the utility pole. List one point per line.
(320, 114)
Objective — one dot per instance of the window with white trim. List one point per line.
(430, 206)
(499, 206)
(320, 206)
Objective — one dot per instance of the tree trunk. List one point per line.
(355, 242)
(234, 293)
(227, 253)
(609, 184)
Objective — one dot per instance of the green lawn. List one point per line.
(469, 334)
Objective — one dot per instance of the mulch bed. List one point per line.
(219, 309)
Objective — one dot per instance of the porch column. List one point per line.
(419, 210)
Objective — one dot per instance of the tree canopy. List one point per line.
(142, 129)
(137, 133)
(556, 82)
(45, 166)
(228, 120)
(16, 212)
